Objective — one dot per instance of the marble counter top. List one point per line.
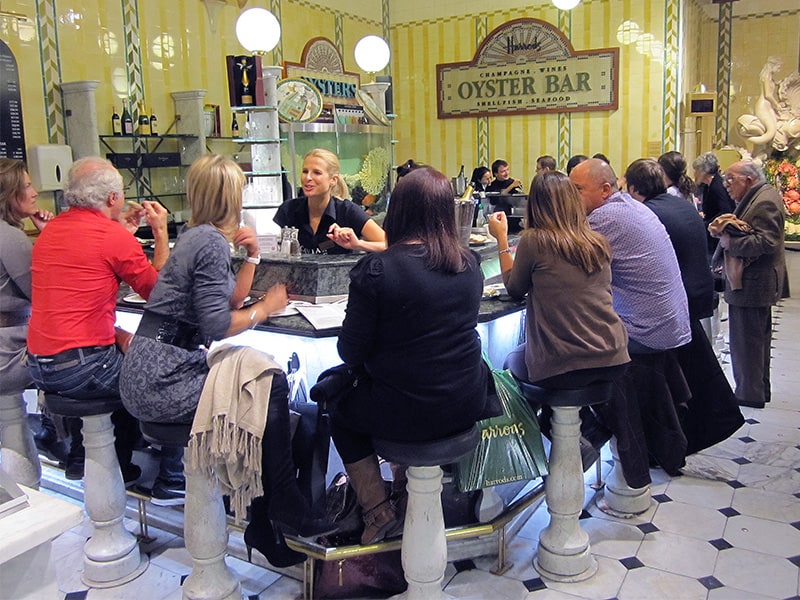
(319, 277)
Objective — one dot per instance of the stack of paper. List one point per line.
(324, 316)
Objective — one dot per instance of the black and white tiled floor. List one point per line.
(727, 529)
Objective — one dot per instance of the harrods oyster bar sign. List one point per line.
(528, 66)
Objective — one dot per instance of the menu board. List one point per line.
(12, 134)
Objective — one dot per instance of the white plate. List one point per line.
(134, 299)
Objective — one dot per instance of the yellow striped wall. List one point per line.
(179, 51)
(622, 135)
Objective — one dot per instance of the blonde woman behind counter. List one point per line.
(326, 223)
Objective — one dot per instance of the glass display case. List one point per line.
(365, 152)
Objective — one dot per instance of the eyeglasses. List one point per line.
(731, 178)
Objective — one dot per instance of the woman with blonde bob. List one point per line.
(574, 336)
(197, 300)
(326, 223)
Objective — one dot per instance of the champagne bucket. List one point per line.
(465, 212)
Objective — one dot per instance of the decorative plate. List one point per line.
(298, 101)
(372, 110)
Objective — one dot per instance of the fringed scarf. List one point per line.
(225, 440)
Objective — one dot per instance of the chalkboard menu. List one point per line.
(12, 135)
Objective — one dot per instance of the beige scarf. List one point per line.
(225, 440)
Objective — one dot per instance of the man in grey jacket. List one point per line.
(750, 308)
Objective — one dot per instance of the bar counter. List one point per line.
(326, 278)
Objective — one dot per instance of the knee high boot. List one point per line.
(288, 509)
(380, 518)
(260, 535)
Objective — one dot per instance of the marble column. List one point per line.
(619, 499)
(205, 533)
(424, 549)
(111, 555)
(190, 121)
(80, 116)
(18, 455)
(563, 549)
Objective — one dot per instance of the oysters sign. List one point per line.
(528, 66)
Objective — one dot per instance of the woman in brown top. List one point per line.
(574, 336)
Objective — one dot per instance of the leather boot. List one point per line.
(288, 509)
(260, 535)
(380, 517)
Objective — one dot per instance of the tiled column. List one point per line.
(80, 114)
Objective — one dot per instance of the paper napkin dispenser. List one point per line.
(48, 165)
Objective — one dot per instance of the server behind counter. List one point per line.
(327, 224)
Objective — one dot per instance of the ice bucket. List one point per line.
(465, 212)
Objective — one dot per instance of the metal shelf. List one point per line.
(332, 128)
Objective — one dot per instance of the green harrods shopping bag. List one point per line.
(510, 448)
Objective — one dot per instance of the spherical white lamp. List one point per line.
(566, 4)
(258, 30)
(372, 53)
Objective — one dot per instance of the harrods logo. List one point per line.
(528, 66)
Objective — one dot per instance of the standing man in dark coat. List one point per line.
(750, 307)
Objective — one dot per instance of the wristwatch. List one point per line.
(253, 260)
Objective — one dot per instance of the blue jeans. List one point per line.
(94, 373)
(170, 467)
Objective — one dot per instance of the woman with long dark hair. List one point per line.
(410, 327)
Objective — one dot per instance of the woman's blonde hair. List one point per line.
(334, 168)
(12, 186)
(557, 218)
(214, 185)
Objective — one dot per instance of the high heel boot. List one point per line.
(288, 509)
(380, 517)
(259, 534)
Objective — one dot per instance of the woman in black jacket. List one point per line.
(410, 327)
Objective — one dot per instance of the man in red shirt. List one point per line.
(77, 266)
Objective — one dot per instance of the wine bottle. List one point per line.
(247, 93)
(234, 127)
(153, 124)
(116, 124)
(144, 120)
(127, 121)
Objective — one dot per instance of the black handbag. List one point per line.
(334, 384)
(376, 575)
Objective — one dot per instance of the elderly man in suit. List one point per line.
(750, 307)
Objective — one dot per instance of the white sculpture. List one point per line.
(776, 122)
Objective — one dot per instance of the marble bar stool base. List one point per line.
(19, 457)
(619, 499)
(563, 550)
(111, 556)
(205, 525)
(424, 546)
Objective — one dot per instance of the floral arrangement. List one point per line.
(783, 174)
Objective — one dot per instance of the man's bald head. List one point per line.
(595, 180)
